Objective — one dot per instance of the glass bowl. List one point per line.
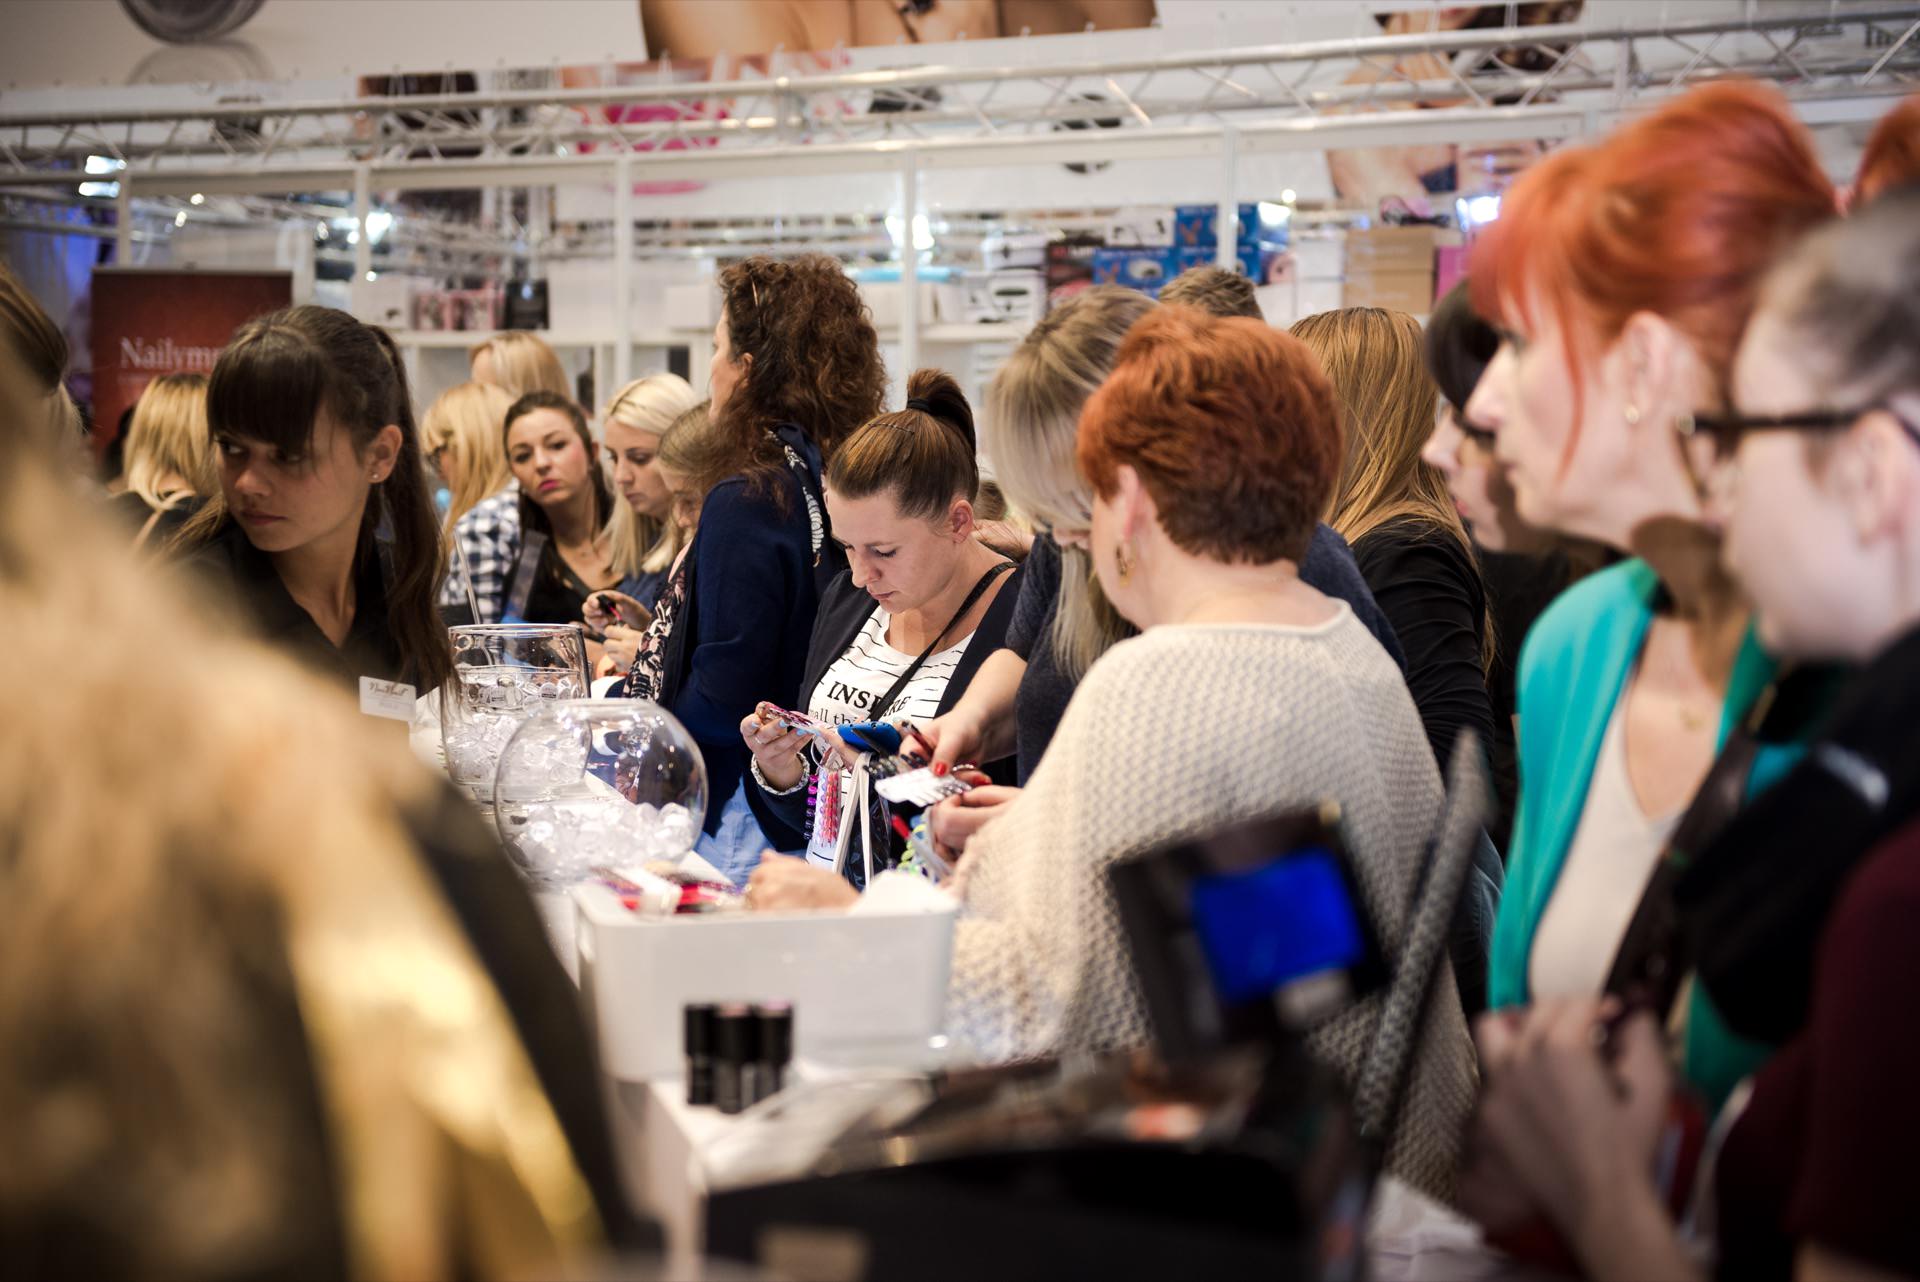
(502, 674)
(587, 783)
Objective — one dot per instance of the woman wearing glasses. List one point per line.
(1622, 275)
(461, 434)
(1806, 903)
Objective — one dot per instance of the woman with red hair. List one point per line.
(1892, 157)
(1622, 276)
(1247, 693)
(1808, 899)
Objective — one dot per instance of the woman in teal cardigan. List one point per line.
(1574, 668)
(1622, 275)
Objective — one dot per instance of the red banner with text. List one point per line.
(152, 322)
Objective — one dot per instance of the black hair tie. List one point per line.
(925, 407)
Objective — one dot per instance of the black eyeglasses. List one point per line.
(1725, 430)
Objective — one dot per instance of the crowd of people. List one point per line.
(1638, 509)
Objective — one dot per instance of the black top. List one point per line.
(844, 611)
(1519, 589)
(1799, 917)
(1045, 688)
(233, 565)
(559, 595)
(1426, 581)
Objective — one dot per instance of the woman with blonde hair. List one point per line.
(1394, 509)
(691, 460)
(460, 433)
(1062, 624)
(520, 362)
(169, 456)
(645, 540)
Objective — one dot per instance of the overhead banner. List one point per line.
(152, 322)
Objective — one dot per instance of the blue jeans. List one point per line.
(736, 845)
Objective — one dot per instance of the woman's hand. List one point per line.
(784, 884)
(621, 648)
(952, 739)
(955, 820)
(1574, 1129)
(630, 613)
(774, 747)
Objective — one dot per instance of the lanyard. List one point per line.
(986, 580)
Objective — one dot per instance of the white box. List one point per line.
(1004, 251)
(866, 988)
(1016, 297)
(1145, 227)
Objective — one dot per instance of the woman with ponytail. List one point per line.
(900, 632)
(323, 525)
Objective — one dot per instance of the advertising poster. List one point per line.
(148, 323)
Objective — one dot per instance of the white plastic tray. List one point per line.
(867, 989)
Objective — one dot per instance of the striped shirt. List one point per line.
(847, 692)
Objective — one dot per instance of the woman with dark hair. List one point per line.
(796, 367)
(564, 552)
(323, 532)
(900, 633)
(323, 524)
(1524, 568)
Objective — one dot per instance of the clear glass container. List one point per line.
(593, 782)
(503, 673)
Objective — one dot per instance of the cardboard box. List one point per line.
(1410, 292)
(1396, 249)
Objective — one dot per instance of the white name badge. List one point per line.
(393, 699)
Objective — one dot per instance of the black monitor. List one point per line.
(1254, 933)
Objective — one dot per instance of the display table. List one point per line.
(664, 1147)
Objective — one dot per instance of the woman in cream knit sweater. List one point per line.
(1248, 693)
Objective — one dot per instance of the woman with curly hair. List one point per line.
(796, 368)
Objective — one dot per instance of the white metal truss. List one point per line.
(1837, 61)
(1275, 97)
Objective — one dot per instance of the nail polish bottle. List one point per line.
(774, 1049)
(733, 1057)
(699, 1042)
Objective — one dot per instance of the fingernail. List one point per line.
(939, 768)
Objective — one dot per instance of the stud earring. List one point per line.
(1632, 415)
(1123, 562)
